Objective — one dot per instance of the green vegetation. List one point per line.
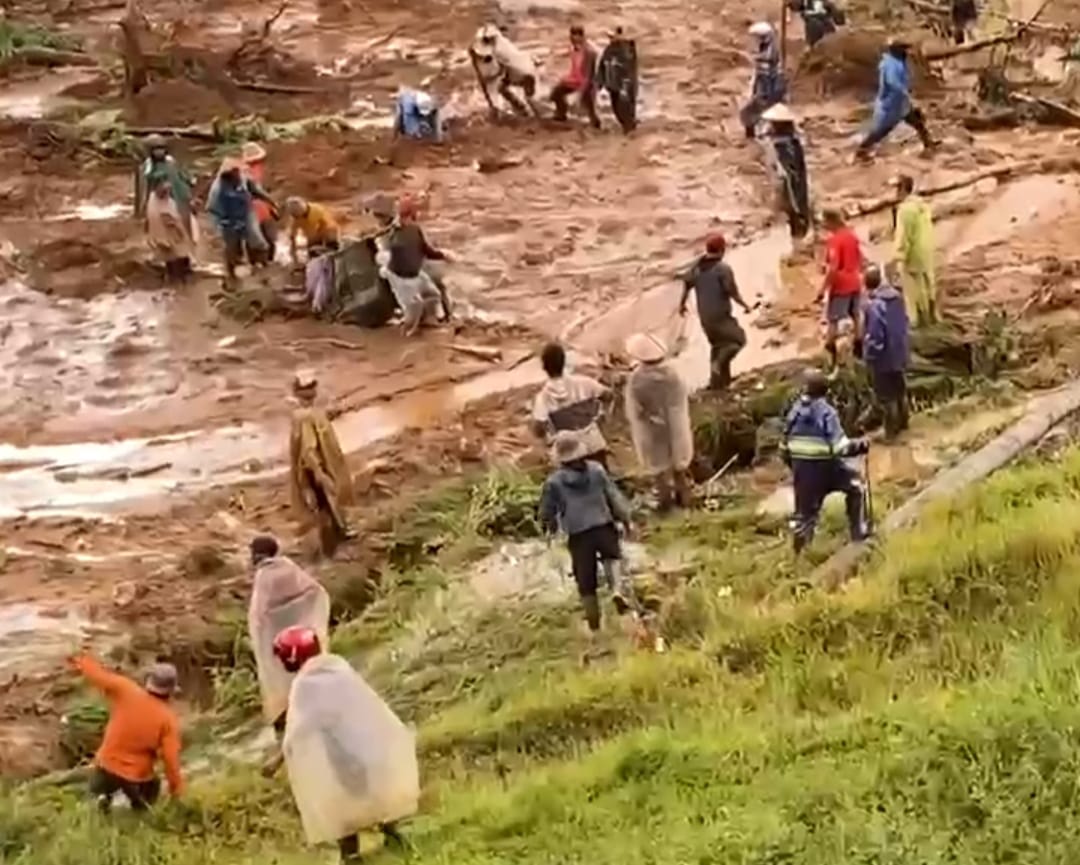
(927, 713)
(16, 35)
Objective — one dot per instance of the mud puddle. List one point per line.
(28, 100)
(35, 640)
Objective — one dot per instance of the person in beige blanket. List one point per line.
(658, 409)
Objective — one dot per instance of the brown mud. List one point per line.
(142, 428)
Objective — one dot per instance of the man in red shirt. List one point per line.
(581, 78)
(842, 288)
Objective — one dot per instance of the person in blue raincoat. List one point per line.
(769, 85)
(893, 104)
(816, 448)
(417, 115)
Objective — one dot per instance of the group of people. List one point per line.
(767, 105)
(351, 763)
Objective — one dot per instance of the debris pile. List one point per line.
(847, 61)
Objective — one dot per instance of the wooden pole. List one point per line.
(783, 34)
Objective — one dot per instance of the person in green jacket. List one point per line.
(158, 165)
(914, 242)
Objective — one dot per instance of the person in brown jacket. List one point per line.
(142, 728)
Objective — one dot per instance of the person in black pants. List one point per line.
(618, 75)
(580, 79)
(581, 498)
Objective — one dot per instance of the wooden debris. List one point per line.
(271, 87)
(1056, 110)
(480, 351)
(33, 55)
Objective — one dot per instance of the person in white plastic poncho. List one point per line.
(284, 594)
(351, 762)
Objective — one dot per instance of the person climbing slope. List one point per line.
(142, 729)
(351, 762)
(580, 498)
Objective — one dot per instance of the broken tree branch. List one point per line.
(482, 352)
(1048, 165)
(37, 56)
(971, 47)
(1067, 116)
(271, 87)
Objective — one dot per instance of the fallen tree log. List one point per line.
(482, 352)
(1066, 115)
(271, 87)
(1046, 165)
(34, 55)
(1043, 414)
(971, 47)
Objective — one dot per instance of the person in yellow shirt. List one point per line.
(316, 223)
(914, 242)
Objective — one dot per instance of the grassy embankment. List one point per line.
(926, 714)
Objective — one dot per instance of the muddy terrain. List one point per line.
(143, 427)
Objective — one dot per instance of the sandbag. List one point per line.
(351, 762)
(284, 595)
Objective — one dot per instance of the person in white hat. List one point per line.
(580, 498)
(230, 200)
(768, 86)
(417, 116)
(658, 409)
(501, 65)
(790, 163)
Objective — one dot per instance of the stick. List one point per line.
(1068, 114)
(720, 473)
(327, 340)
(270, 87)
(481, 351)
(181, 132)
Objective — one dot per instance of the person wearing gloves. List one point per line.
(790, 161)
(769, 84)
(580, 498)
(142, 728)
(885, 350)
(351, 762)
(816, 449)
(417, 116)
(658, 410)
(284, 595)
(501, 65)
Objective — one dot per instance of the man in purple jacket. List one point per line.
(885, 349)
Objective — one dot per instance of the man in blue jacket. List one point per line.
(893, 104)
(816, 448)
(885, 349)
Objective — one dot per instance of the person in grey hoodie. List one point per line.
(580, 498)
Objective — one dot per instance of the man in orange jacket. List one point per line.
(142, 727)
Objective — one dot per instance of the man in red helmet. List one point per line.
(713, 283)
(351, 762)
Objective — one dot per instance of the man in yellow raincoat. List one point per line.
(914, 239)
(319, 481)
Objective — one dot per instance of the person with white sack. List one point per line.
(284, 595)
(351, 762)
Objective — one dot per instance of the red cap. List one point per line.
(715, 243)
(295, 645)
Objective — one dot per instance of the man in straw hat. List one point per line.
(893, 104)
(142, 728)
(580, 498)
(319, 481)
(658, 409)
(231, 196)
(715, 289)
(790, 160)
(266, 215)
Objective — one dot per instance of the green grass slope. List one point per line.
(927, 713)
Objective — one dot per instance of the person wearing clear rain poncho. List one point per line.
(658, 409)
(284, 595)
(351, 762)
